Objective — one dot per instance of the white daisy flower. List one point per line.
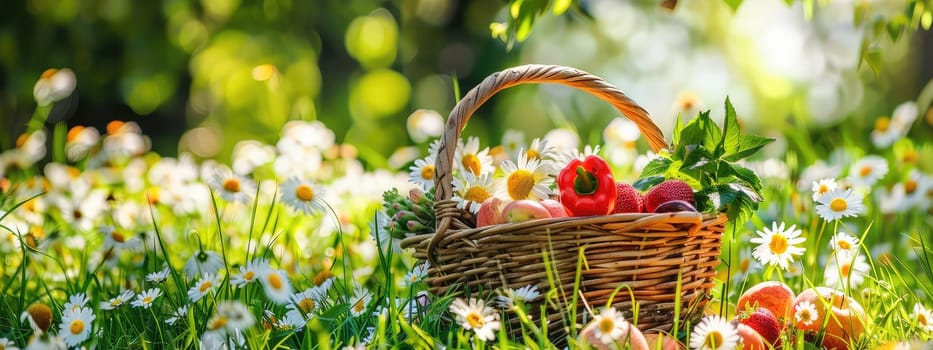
(777, 246)
(231, 316)
(468, 158)
(889, 130)
(842, 243)
(563, 139)
(76, 302)
(203, 262)
(476, 316)
(359, 301)
(836, 204)
(510, 296)
(178, 315)
(76, 326)
(868, 170)
(747, 264)
(46, 341)
(6, 344)
(417, 274)
(158, 276)
(276, 285)
(250, 272)
(422, 173)
(303, 196)
(117, 301)
(805, 313)
(610, 325)
(526, 180)
(301, 307)
(846, 269)
(541, 150)
(714, 333)
(818, 170)
(513, 141)
(145, 299)
(230, 186)
(470, 191)
(206, 284)
(249, 155)
(54, 85)
(923, 317)
(113, 239)
(79, 141)
(822, 186)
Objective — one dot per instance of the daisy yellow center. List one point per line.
(882, 124)
(275, 280)
(30, 205)
(743, 266)
(606, 325)
(823, 189)
(922, 319)
(806, 316)
(844, 245)
(427, 172)
(845, 269)
(688, 100)
(232, 185)
(48, 73)
(865, 171)
(147, 300)
(533, 154)
(205, 286)
(74, 133)
(321, 277)
(476, 194)
(475, 320)
(116, 302)
(778, 244)
(117, 237)
(304, 193)
(838, 205)
(713, 340)
(217, 323)
(21, 140)
(306, 305)
(910, 186)
(76, 327)
(41, 314)
(520, 183)
(73, 172)
(910, 156)
(248, 276)
(359, 306)
(114, 126)
(471, 162)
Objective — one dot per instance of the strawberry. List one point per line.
(766, 324)
(666, 191)
(628, 199)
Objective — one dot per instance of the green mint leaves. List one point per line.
(705, 156)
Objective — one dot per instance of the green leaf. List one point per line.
(734, 4)
(730, 130)
(696, 156)
(747, 176)
(678, 128)
(656, 166)
(748, 145)
(926, 20)
(644, 183)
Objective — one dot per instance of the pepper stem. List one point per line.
(585, 182)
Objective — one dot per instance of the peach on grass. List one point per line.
(749, 338)
(845, 317)
(524, 210)
(555, 208)
(663, 342)
(775, 296)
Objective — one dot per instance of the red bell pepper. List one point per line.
(587, 187)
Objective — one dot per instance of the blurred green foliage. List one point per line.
(242, 68)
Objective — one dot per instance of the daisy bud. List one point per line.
(416, 195)
(415, 226)
(39, 316)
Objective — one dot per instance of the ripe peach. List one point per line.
(524, 210)
(775, 296)
(845, 316)
(555, 208)
(634, 339)
(749, 338)
(665, 341)
(490, 212)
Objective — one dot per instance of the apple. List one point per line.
(524, 210)
(554, 208)
(490, 212)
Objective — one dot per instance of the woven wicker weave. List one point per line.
(643, 254)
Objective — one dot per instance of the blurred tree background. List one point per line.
(201, 75)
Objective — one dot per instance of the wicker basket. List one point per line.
(644, 254)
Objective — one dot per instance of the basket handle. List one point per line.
(532, 73)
